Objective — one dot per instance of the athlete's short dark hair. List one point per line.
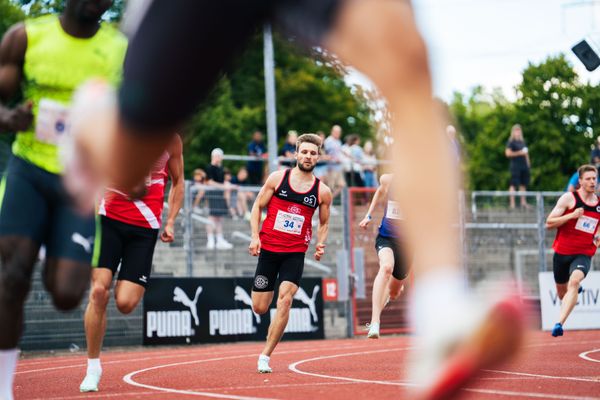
(586, 168)
(309, 138)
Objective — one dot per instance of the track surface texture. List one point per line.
(547, 368)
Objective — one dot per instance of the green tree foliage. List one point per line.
(35, 8)
(10, 14)
(558, 114)
(311, 96)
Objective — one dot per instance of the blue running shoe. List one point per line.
(557, 330)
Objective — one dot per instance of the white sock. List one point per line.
(265, 358)
(8, 364)
(210, 237)
(220, 237)
(93, 366)
(437, 297)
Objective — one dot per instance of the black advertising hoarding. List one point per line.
(211, 310)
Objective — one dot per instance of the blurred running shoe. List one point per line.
(557, 330)
(90, 382)
(373, 330)
(471, 337)
(263, 365)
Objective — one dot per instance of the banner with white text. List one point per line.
(208, 310)
(585, 315)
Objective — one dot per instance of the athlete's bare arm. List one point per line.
(324, 207)
(556, 217)
(175, 165)
(261, 201)
(380, 193)
(12, 57)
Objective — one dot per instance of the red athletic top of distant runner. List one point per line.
(576, 236)
(288, 226)
(145, 212)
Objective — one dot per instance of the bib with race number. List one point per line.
(51, 122)
(393, 210)
(289, 223)
(586, 224)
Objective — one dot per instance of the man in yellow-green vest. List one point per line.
(44, 60)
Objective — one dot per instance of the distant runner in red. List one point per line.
(576, 216)
(291, 197)
(126, 233)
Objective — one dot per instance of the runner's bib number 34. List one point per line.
(289, 223)
(51, 122)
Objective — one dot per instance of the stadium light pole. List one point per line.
(269, 66)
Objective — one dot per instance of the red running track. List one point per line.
(548, 368)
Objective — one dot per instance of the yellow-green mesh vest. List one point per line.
(55, 65)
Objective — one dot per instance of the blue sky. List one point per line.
(490, 42)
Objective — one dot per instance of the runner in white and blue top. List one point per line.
(393, 268)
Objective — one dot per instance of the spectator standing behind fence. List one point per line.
(320, 170)
(353, 164)
(197, 188)
(595, 155)
(369, 164)
(573, 184)
(333, 150)
(518, 154)
(229, 194)
(215, 179)
(288, 149)
(255, 168)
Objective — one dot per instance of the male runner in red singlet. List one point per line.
(291, 197)
(576, 216)
(126, 233)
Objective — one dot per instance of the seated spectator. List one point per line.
(197, 188)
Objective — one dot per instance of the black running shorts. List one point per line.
(564, 265)
(180, 49)
(288, 266)
(401, 267)
(129, 245)
(34, 204)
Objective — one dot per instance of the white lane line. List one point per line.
(129, 377)
(585, 356)
(167, 356)
(563, 378)
(153, 392)
(530, 394)
(294, 368)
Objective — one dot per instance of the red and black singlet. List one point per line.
(576, 236)
(288, 226)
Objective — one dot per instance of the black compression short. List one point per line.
(181, 47)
